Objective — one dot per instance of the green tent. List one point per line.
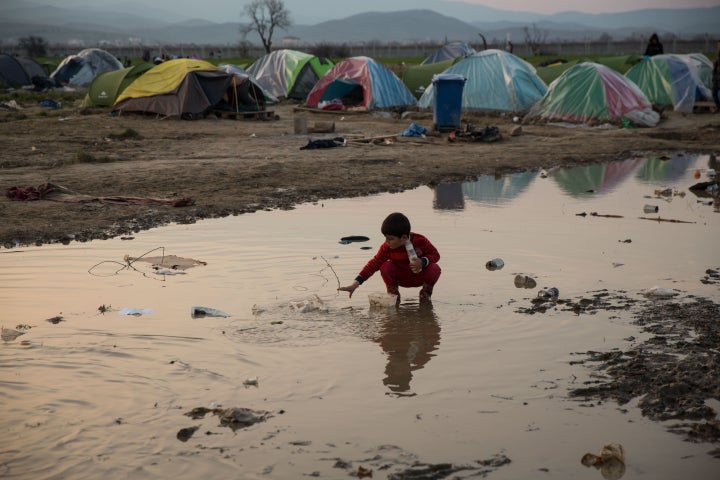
(289, 73)
(106, 87)
(418, 77)
(592, 94)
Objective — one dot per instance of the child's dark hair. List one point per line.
(396, 224)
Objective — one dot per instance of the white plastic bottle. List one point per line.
(410, 249)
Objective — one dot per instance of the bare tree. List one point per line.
(265, 16)
(535, 38)
(33, 46)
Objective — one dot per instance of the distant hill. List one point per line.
(93, 25)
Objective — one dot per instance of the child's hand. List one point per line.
(416, 265)
(350, 288)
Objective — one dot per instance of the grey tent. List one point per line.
(20, 71)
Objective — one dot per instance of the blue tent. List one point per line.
(496, 81)
(360, 81)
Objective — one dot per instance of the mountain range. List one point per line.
(97, 25)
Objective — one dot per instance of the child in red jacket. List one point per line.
(394, 261)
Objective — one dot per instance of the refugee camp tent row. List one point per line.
(289, 73)
(360, 82)
(590, 93)
(18, 72)
(674, 80)
(497, 81)
(79, 70)
(187, 88)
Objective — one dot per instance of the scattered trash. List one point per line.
(207, 312)
(650, 209)
(184, 434)
(414, 130)
(595, 214)
(135, 311)
(10, 105)
(710, 172)
(325, 143)
(617, 264)
(382, 300)
(159, 264)
(660, 292)
(215, 405)
(310, 304)
(251, 382)
(523, 281)
(610, 461)
(104, 308)
(55, 320)
(548, 293)
(26, 343)
(10, 334)
(665, 192)
(50, 104)
(363, 472)
(495, 264)
(627, 240)
(276, 322)
(166, 271)
(660, 219)
(354, 238)
(236, 418)
(471, 134)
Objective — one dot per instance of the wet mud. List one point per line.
(672, 373)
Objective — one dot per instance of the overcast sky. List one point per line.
(314, 11)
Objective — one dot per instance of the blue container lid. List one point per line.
(448, 77)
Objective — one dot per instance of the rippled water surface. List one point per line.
(103, 394)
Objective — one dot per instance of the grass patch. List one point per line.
(128, 134)
(85, 157)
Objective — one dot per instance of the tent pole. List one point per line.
(237, 109)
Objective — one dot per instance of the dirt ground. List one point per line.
(228, 166)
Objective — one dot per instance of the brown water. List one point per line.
(103, 395)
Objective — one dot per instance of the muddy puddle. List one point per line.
(249, 364)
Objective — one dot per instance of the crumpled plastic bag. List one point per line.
(414, 130)
(610, 461)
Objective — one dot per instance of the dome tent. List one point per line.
(106, 87)
(289, 73)
(496, 81)
(80, 70)
(247, 82)
(677, 80)
(449, 51)
(591, 93)
(184, 88)
(363, 80)
(19, 71)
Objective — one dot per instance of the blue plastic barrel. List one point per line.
(447, 101)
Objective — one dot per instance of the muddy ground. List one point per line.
(673, 372)
(227, 167)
